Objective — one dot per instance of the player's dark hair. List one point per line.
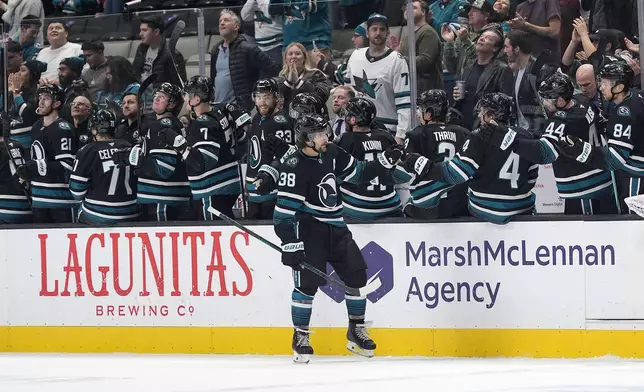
(14, 47)
(520, 39)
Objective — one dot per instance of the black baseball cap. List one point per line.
(377, 18)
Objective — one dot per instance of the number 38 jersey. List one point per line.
(108, 192)
(438, 143)
(378, 198)
(278, 124)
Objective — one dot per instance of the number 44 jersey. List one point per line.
(108, 192)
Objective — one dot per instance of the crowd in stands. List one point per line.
(467, 48)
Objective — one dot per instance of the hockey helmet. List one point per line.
(175, 96)
(499, 106)
(103, 122)
(267, 85)
(556, 86)
(434, 102)
(201, 86)
(619, 71)
(308, 124)
(305, 103)
(359, 111)
(55, 91)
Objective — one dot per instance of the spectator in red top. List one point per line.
(541, 18)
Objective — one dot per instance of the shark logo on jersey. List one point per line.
(624, 111)
(255, 155)
(327, 191)
(364, 86)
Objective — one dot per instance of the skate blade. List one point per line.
(301, 358)
(354, 348)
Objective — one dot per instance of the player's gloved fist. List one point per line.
(573, 147)
(275, 146)
(293, 255)
(128, 156)
(391, 156)
(266, 180)
(31, 169)
(415, 163)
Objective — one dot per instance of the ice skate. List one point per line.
(302, 350)
(359, 341)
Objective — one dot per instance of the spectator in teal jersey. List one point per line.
(27, 37)
(306, 22)
(446, 11)
(503, 12)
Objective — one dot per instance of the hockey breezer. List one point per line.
(438, 141)
(308, 219)
(624, 152)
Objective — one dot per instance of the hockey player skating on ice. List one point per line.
(269, 120)
(437, 141)
(207, 152)
(378, 199)
(107, 192)
(308, 220)
(585, 190)
(624, 130)
(501, 182)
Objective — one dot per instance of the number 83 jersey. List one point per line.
(278, 124)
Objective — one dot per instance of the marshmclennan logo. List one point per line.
(380, 265)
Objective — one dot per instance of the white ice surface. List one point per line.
(210, 373)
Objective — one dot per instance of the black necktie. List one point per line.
(338, 127)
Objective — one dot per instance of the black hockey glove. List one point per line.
(573, 147)
(275, 146)
(293, 255)
(31, 169)
(416, 163)
(129, 156)
(266, 180)
(391, 156)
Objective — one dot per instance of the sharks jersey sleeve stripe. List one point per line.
(427, 194)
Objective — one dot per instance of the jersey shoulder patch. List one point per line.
(280, 119)
(560, 114)
(64, 125)
(624, 111)
(203, 117)
(166, 122)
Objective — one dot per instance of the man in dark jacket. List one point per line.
(153, 54)
(236, 65)
(487, 75)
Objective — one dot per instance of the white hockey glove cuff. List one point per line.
(292, 247)
(135, 155)
(585, 153)
(270, 170)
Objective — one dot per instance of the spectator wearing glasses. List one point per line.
(95, 72)
(58, 50)
(81, 112)
(16, 11)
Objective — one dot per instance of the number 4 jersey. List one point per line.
(108, 192)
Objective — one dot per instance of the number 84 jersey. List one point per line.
(278, 124)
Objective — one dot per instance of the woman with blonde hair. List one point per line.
(299, 76)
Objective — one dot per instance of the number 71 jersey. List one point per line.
(108, 192)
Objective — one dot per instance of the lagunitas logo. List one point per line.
(380, 265)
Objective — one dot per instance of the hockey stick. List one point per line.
(144, 86)
(242, 180)
(363, 291)
(172, 44)
(612, 178)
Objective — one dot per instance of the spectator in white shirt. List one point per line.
(58, 50)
